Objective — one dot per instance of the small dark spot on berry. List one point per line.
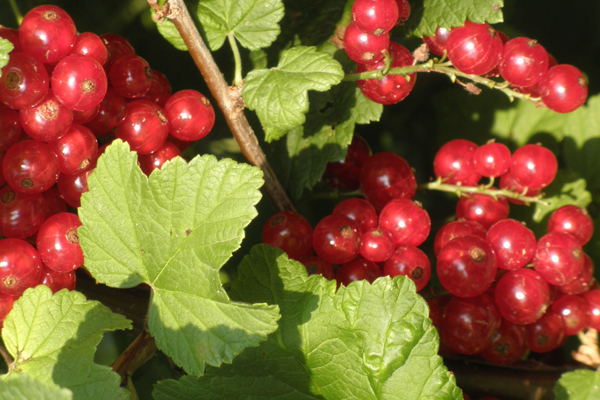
(417, 273)
(49, 110)
(9, 281)
(72, 236)
(368, 56)
(148, 72)
(87, 86)
(542, 340)
(477, 254)
(346, 231)
(311, 269)
(502, 348)
(49, 15)
(277, 220)
(8, 196)
(12, 80)
(577, 253)
(27, 183)
(205, 101)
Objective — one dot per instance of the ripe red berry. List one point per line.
(116, 47)
(360, 211)
(290, 232)
(563, 88)
(513, 243)
(411, 262)
(524, 62)
(160, 90)
(190, 115)
(91, 45)
(522, 296)
(375, 16)
(592, 299)
(24, 81)
(357, 270)
(53, 203)
(58, 243)
(454, 163)
(533, 166)
(377, 245)
(574, 220)
(21, 215)
(455, 229)
(111, 111)
(546, 334)
(574, 311)
(6, 305)
(58, 280)
(30, 167)
(336, 239)
(364, 48)
(584, 280)
(144, 127)
(20, 266)
(558, 258)
(156, 160)
(403, 11)
(48, 120)
(474, 48)
(314, 265)
(10, 127)
(482, 208)
(507, 345)
(407, 221)
(131, 76)
(343, 175)
(437, 42)
(508, 181)
(79, 82)
(47, 33)
(386, 176)
(76, 150)
(492, 160)
(71, 187)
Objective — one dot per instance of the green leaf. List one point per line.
(173, 231)
(253, 22)
(170, 33)
(429, 14)
(24, 387)
(5, 47)
(279, 95)
(581, 384)
(363, 342)
(53, 338)
(567, 188)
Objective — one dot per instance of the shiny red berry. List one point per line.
(357, 270)
(48, 120)
(21, 215)
(363, 47)
(375, 16)
(30, 167)
(563, 88)
(558, 258)
(343, 175)
(411, 262)
(290, 232)
(91, 45)
(377, 245)
(76, 150)
(190, 115)
(336, 239)
(407, 221)
(156, 160)
(58, 243)
(131, 76)
(454, 163)
(513, 243)
(474, 48)
(20, 266)
(79, 82)
(160, 90)
(386, 176)
(144, 127)
(574, 220)
(455, 229)
(524, 62)
(24, 81)
(522, 296)
(482, 208)
(360, 211)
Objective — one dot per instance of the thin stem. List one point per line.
(6, 355)
(15, 9)
(237, 80)
(229, 100)
(141, 350)
(483, 189)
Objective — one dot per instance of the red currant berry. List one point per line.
(47, 33)
(386, 176)
(20, 266)
(508, 181)
(190, 115)
(492, 160)
(403, 11)
(364, 48)
(592, 299)
(583, 282)
(144, 127)
(131, 76)
(574, 220)
(390, 89)
(79, 82)
(411, 262)
(360, 211)
(563, 88)
(48, 120)
(482, 208)
(474, 48)
(375, 17)
(91, 45)
(83, 117)
(454, 163)
(558, 258)
(160, 90)
(290, 232)
(336, 239)
(76, 150)
(12, 35)
(54, 204)
(546, 334)
(116, 47)
(455, 229)
(407, 221)
(24, 81)
(314, 265)
(522, 296)
(524, 62)
(574, 311)
(156, 160)
(58, 243)
(21, 215)
(377, 245)
(507, 345)
(111, 111)
(466, 266)
(71, 187)
(513, 243)
(533, 166)
(10, 127)
(58, 280)
(30, 167)
(6, 305)
(343, 175)
(437, 42)
(357, 270)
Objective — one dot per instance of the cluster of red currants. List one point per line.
(66, 91)
(479, 49)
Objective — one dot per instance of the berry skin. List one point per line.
(592, 299)
(290, 232)
(454, 163)
(58, 243)
(474, 48)
(360, 211)
(574, 311)
(411, 262)
(190, 115)
(75, 151)
(116, 47)
(533, 166)
(336, 239)
(21, 215)
(111, 111)
(437, 42)
(574, 220)
(386, 176)
(30, 167)
(407, 221)
(482, 208)
(91, 45)
(160, 90)
(492, 160)
(546, 334)
(563, 88)
(20, 266)
(558, 258)
(10, 127)
(455, 229)
(522, 296)
(507, 345)
(377, 245)
(24, 81)
(144, 127)
(314, 265)
(363, 47)
(6, 305)
(48, 120)
(513, 243)
(466, 266)
(79, 82)
(131, 76)
(375, 16)
(156, 160)
(403, 11)
(357, 270)
(343, 175)
(390, 89)
(58, 280)
(508, 181)
(47, 33)
(524, 62)
(584, 280)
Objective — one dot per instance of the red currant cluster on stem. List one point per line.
(66, 92)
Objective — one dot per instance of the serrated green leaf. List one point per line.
(567, 188)
(5, 47)
(53, 338)
(581, 384)
(279, 95)
(253, 22)
(168, 30)
(426, 16)
(363, 342)
(174, 231)
(24, 387)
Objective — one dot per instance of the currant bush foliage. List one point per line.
(24, 387)
(362, 342)
(174, 231)
(5, 48)
(578, 385)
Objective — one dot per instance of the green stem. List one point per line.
(483, 189)
(16, 11)
(237, 80)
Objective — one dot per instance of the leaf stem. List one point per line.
(229, 100)
(139, 351)
(237, 80)
(6, 355)
(483, 189)
(447, 69)
(15, 9)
